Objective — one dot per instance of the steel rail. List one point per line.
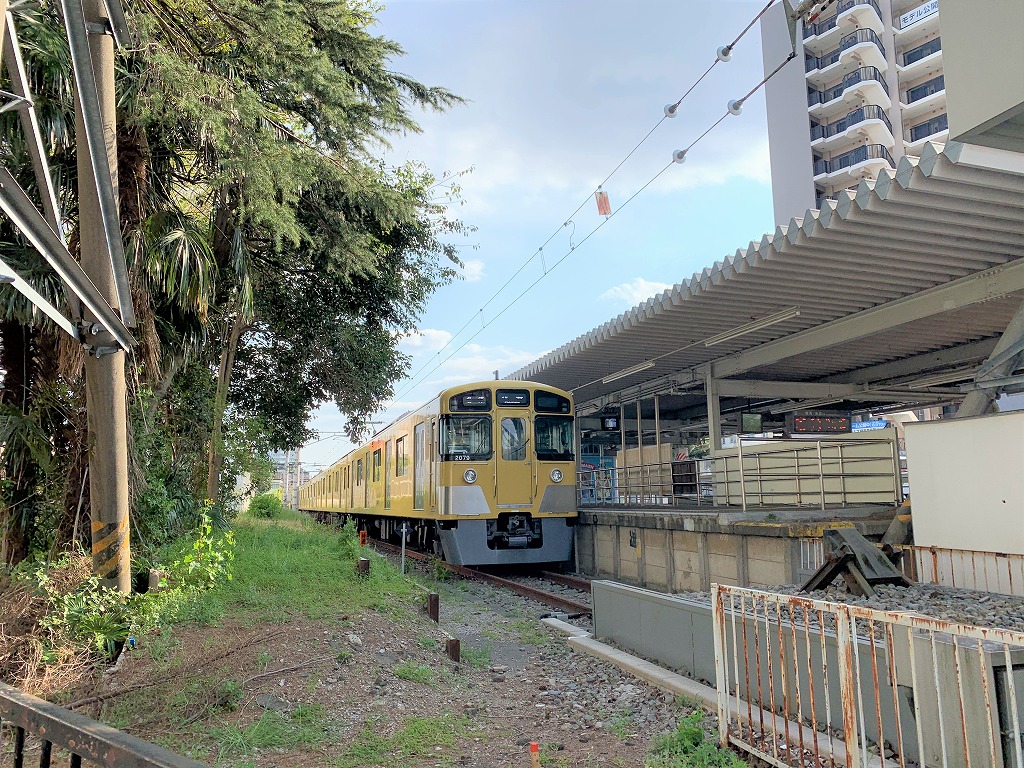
(555, 601)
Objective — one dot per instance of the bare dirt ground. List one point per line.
(376, 689)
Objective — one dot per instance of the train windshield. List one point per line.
(465, 438)
(554, 438)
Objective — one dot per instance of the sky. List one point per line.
(558, 94)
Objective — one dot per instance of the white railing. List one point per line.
(804, 682)
(819, 473)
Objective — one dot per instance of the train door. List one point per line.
(514, 468)
(387, 475)
(366, 480)
(431, 492)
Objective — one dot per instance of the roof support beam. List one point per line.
(1004, 360)
(911, 366)
(992, 283)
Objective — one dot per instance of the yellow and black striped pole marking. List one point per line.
(111, 551)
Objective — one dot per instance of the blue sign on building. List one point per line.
(864, 426)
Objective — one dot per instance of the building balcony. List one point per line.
(860, 48)
(824, 35)
(934, 129)
(868, 122)
(845, 169)
(865, 84)
(921, 59)
(923, 98)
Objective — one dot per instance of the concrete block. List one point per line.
(764, 573)
(723, 567)
(684, 541)
(723, 544)
(762, 548)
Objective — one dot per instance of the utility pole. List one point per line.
(105, 389)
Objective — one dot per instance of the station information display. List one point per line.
(818, 423)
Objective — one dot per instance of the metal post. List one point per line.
(105, 391)
(821, 475)
(405, 532)
(623, 471)
(743, 482)
(657, 449)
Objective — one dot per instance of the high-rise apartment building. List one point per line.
(870, 90)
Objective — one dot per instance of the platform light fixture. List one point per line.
(627, 372)
(753, 325)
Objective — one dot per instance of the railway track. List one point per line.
(512, 585)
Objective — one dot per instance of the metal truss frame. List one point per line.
(45, 229)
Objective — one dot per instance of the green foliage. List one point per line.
(438, 570)
(530, 632)
(689, 747)
(417, 673)
(418, 737)
(267, 506)
(208, 563)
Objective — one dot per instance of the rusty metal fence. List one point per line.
(36, 729)
(804, 682)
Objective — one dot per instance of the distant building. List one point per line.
(870, 90)
(288, 475)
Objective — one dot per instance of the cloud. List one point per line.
(472, 270)
(426, 340)
(635, 291)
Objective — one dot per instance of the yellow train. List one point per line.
(484, 473)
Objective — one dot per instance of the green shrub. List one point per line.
(688, 747)
(208, 562)
(267, 506)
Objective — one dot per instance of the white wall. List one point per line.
(967, 482)
(789, 138)
(983, 58)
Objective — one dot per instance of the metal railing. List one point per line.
(39, 728)
(862, 74)
(666, 484)
(805, 682)
(924, 90)
(921, 51)
(812, 30)
(848, 41)
(859, 115)
(859, 155)
(808, 473)
(928, 128)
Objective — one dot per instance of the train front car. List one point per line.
(506, 471)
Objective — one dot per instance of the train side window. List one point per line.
(359, 471)
(399, 456)
(376, 465)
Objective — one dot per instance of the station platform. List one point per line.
(682, 549)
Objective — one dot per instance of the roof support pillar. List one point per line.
(1004, 360)
(714, 412)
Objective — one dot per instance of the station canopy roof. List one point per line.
(865, 301)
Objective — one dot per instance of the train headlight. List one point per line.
(469, 475)
(556, 475)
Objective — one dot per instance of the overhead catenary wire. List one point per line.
(730, 111)
(723, 55)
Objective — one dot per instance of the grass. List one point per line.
(276, 561)
(306, 727)
(530, 632)
(417, 738)
(689, 747)
(478, 657)
(417, 673)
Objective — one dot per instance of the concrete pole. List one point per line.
(105, 390)
(714, 413)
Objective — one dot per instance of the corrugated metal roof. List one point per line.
(952, 213)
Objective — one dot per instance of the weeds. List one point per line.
(306, 727)
(529, 632)
(477, 656)
(418, 737)
(417, 673)
(689, 747)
